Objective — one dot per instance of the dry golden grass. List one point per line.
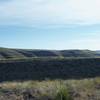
(85, 89)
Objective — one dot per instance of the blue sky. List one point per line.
(50, 24)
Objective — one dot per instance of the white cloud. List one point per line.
(37, 12)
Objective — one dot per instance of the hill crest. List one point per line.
(6, 53)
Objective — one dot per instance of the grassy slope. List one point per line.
(6, 53)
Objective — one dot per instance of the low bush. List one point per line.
(63, 94)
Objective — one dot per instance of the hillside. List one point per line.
(52, 68)
(49, 74)
(41, 64)
(6, 53)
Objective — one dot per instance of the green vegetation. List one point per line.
(63, 94)
(49, 68)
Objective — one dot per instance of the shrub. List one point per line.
(63, 94)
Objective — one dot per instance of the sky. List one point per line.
(50, 24)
